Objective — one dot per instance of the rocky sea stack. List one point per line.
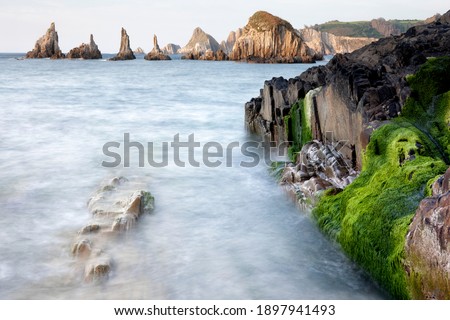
(156, 53)
(125, 52)
(47, 46)
(202, 46)
(269, 39)
(85, 51)
(379, 121)
(171, 48)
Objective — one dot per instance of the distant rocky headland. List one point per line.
(265, 39)
(369, 151)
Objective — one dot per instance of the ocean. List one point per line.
(221, 231)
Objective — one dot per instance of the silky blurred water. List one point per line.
(216, 233)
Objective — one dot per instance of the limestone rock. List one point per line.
(85, 51)
(156, 53)
(326, 43)
(125, 52)
(139, 50)
(359, 90)
(227, 46)
(47, 46)
(269, 39)
(427, 245)
(116, 207)
(171, 49)
(199, 43)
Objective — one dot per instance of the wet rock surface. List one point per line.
(427, 244)
(115, 209)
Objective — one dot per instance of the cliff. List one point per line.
(156, 53)
(47, 46)
(369, 115)
(270, 39)
(326, 43)
(171, 48)
(125, 52)
(85, 51)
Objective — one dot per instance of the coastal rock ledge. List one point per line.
(270, 39)
(47, 46)
(85, 51)
(125, 52)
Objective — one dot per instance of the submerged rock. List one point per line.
(156, 53)
(47, 46)
(116, 207)
(125, 52)
(85, 51)
(269, 39)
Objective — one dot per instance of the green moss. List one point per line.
(370, 218)
(264, 21)
(298, 127)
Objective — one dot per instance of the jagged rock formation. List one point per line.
(156, 53)
(199, 43)
(227, 46)
(202, 46)
(427, 243)
(115, 208)
(47, 46)
(125, 52)
(85, 51)
(139, 50)
(171, 49)
(326, 43)
(269, 39)
(318, 167)
(358, 90)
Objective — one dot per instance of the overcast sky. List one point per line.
(22, 22)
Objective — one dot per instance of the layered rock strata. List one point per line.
(358, 90)
(125, 52)
(427, 246)
(115, 209)
(47, 46)
(326, 43)
(85, 51)
(269, 39)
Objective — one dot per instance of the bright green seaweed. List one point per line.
(370, 218)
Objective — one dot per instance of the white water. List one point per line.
(216, 233)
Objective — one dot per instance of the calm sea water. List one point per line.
(216, 233)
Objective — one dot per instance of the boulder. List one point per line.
(125, 52)
(47, 46)
(156, 53)
(85, 51)
(270, 39)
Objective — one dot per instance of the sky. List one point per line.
(22, 22)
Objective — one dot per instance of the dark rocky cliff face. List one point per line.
(358, 90)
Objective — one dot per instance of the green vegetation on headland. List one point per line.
(365, 28)
(370, 218)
